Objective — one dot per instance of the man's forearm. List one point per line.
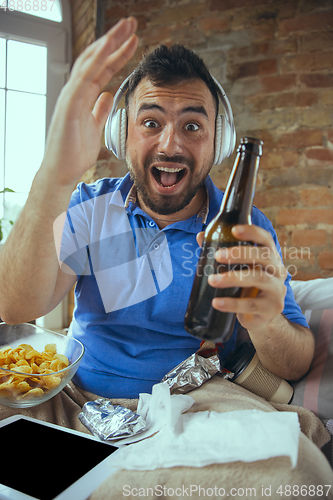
(284, 348)
(28, 260)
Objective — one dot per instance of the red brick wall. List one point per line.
(274, 59)
(83, 24)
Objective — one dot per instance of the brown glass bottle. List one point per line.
(201, 319)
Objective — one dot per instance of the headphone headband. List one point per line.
(230, 118)
(119, 95)
(116, 126)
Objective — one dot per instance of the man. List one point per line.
(126, 244)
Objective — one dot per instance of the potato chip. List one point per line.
(23, 386)
(51, 382)
(51, 348)
(26, 347)
(22, 362)
(35, 368)
(32, 393)
(44, 366)
(30, 354)
(22, 369)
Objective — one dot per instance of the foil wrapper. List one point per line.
(191, 373)
(226, 374)
(329, 426)
(109, 422)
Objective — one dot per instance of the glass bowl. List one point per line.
(23, 385)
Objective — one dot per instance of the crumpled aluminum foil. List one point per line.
(191, 373)
(109, 422)
(227, 375)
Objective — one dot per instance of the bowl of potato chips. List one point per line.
(35, 364)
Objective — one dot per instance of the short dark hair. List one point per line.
(172, 65)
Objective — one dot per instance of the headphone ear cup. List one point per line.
(224, 139)
(115, 133)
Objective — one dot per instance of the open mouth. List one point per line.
(168, 176)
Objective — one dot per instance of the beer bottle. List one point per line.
(201, 319)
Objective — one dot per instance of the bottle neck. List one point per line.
(238, 197)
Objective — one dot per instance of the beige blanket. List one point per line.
(271, 478)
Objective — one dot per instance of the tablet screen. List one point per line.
(42, 461)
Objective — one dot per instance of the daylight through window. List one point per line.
(22, 116)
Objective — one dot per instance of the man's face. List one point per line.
(170, 142)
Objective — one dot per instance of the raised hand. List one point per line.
(74, 135)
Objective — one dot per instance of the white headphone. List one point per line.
(116, 126)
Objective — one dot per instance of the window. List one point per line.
(47, 9)
(34, 64)
(23, 111)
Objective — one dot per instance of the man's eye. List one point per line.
(192, 127)
(150, 124)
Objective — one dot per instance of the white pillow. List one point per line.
(313, 294)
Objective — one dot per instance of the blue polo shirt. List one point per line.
(134, 283)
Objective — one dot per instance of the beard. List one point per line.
(165, 204)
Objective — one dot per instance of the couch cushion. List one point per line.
(315, 390)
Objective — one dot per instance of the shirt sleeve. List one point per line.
(292, 310)
(74, 249)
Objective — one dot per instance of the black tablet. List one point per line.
(44, 461)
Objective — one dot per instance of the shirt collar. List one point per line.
(131, 197)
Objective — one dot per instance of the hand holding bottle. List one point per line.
(244, 277)
(202, 319)
(262, 278)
